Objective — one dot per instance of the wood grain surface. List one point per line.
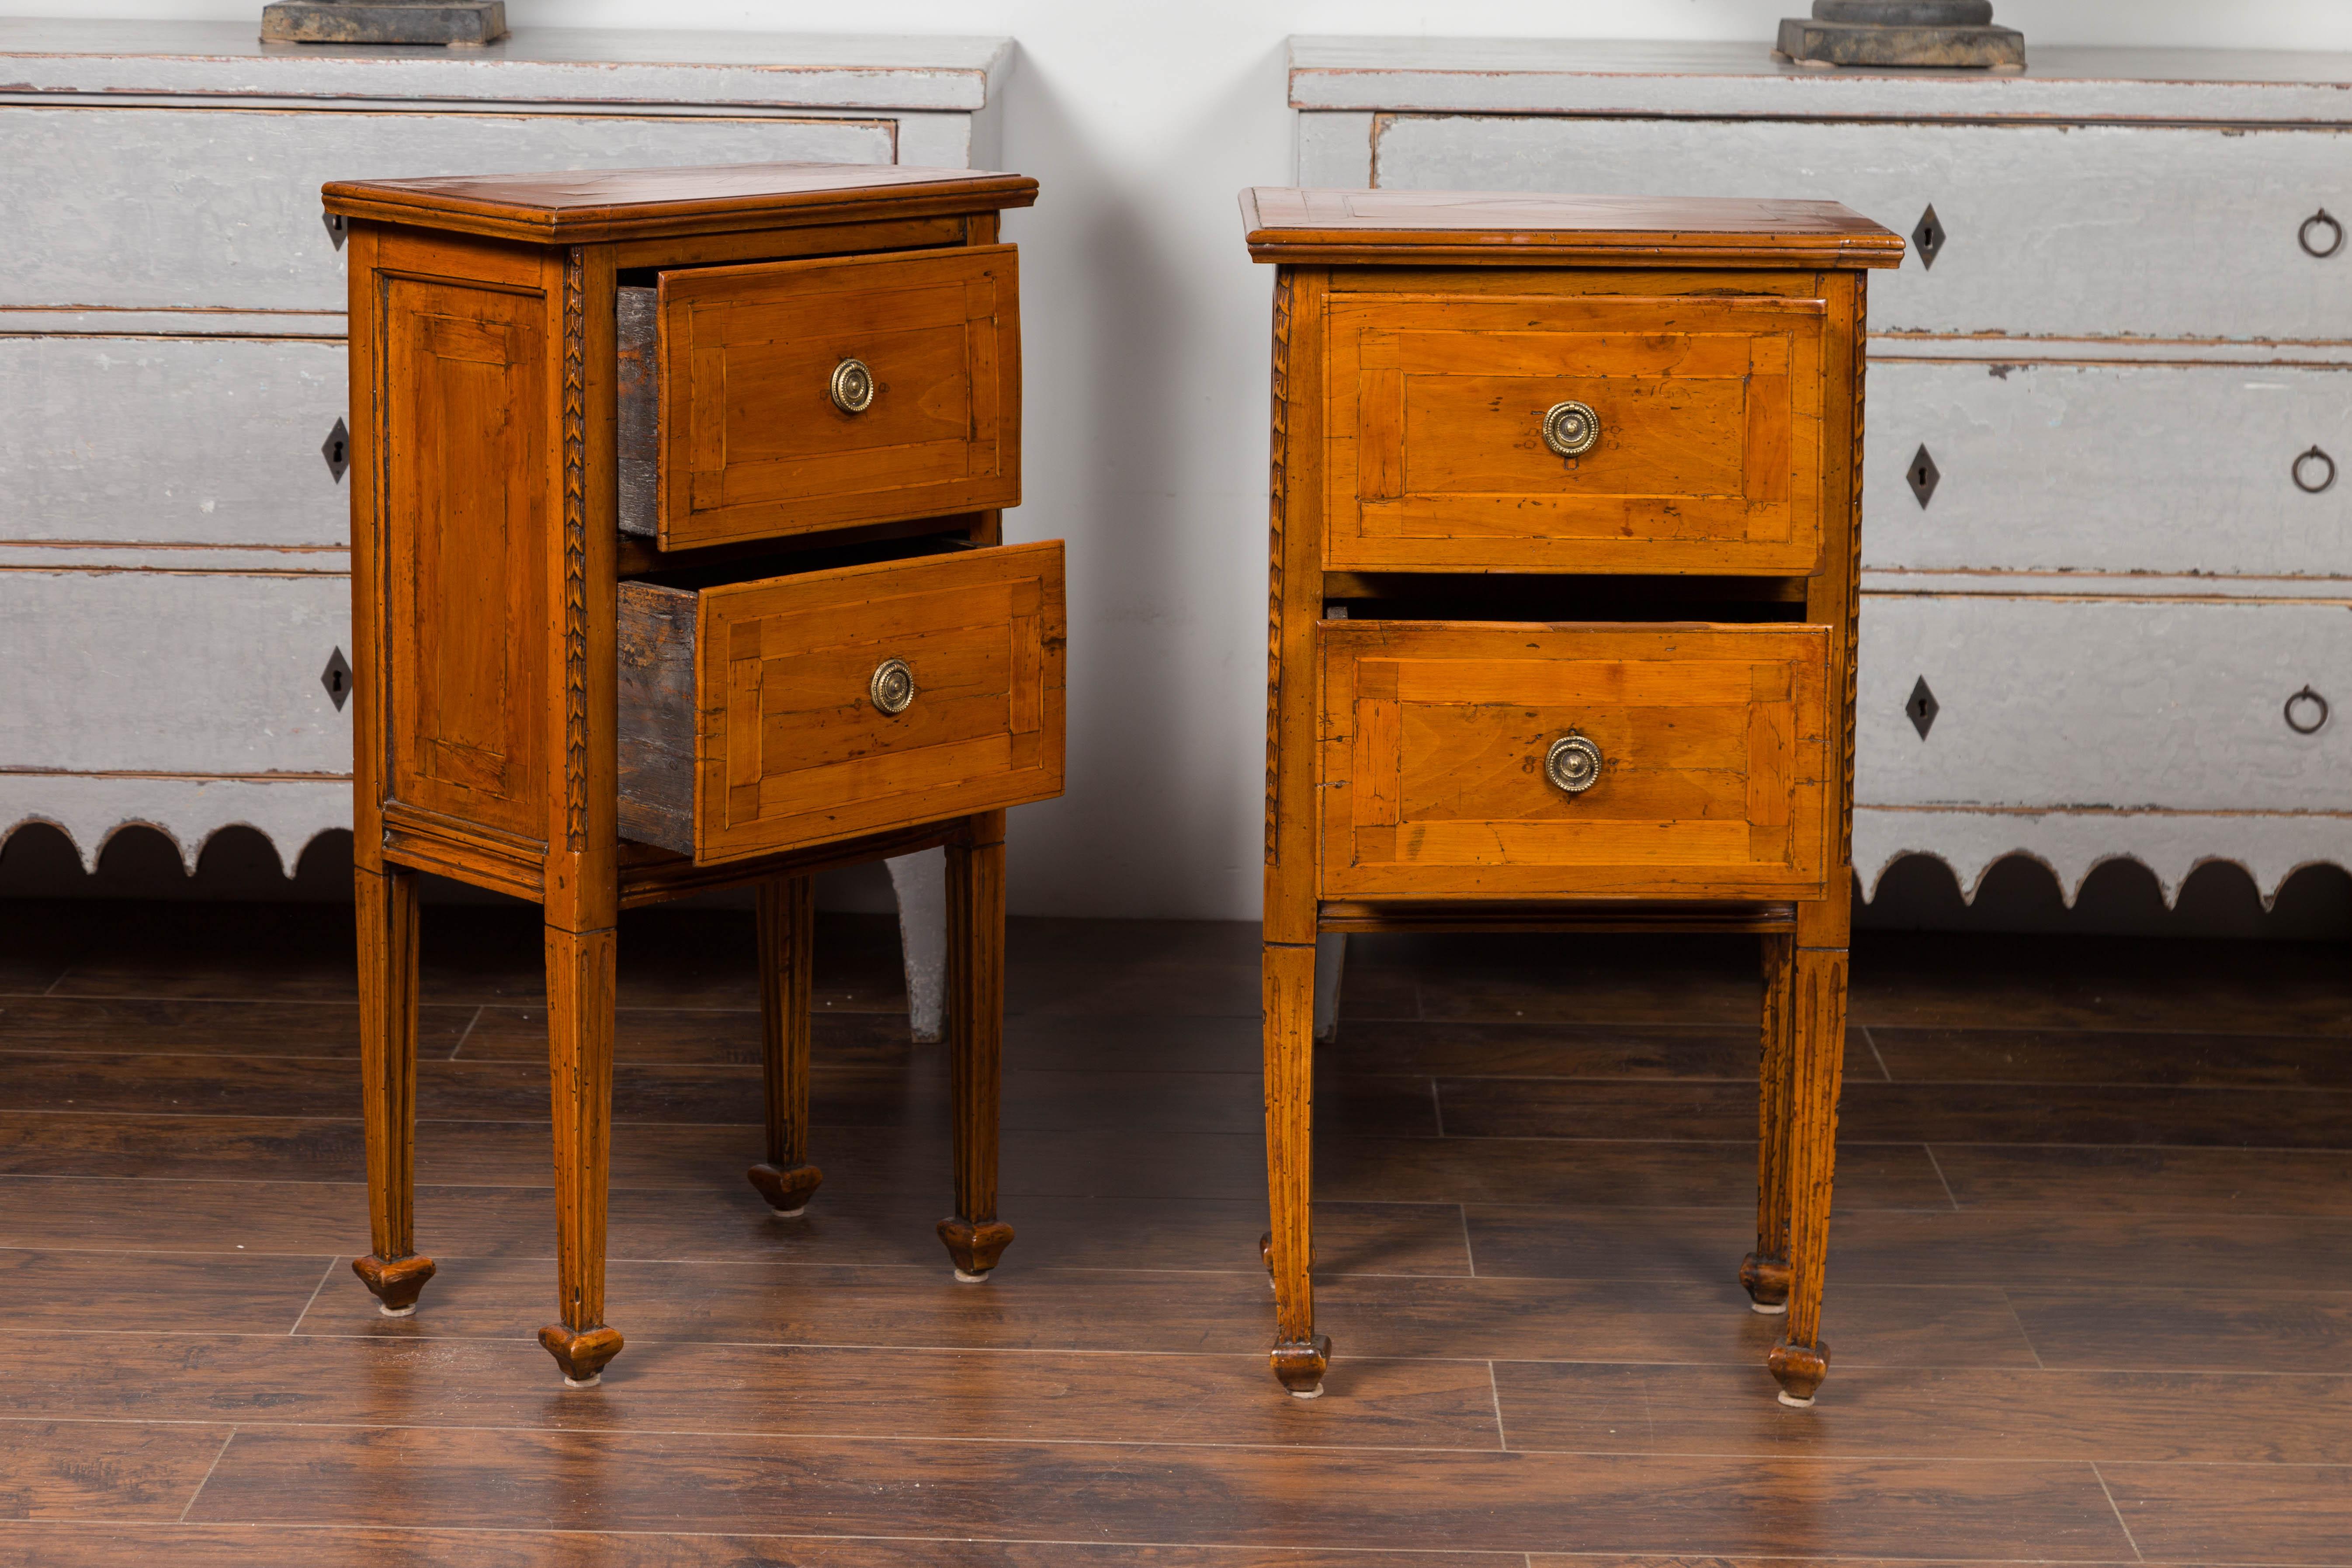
(2047, 1350)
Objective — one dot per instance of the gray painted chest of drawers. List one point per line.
(2123, 344)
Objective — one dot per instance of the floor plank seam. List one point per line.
(1875, 1055)
(2120, 1523)
(1502, 1437)
(471, 1025)
(1950, 1197)
(294, 1327)
(219, 1454)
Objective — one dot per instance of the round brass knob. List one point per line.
(2334, 237)
(853, 386)
(893, 686)
(1571, 429)
(1573, 763)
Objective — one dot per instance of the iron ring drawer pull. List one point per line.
(1573, 763)
(2306, 695)
(853, 386)
(2314, 455)
(2323, 217)
(1570, 430)
(893, 686)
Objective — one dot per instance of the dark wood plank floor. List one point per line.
(2091, 1292)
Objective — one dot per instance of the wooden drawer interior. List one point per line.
(1709, 455)
(751, 718)
(1719, 772)
(730, 428)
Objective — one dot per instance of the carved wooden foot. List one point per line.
(395, 1284)
(787, 1191)
(1301, 1366)
(1800, 1370)
(580, 1352)
(975, 1248)
(1767, 1279)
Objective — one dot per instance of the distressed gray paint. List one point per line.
(1576, 76)
(2081, 231)
(241, 228)
(2166, 468)
(532, 65)
(190, 441)
(2074, 702)
(194, 673)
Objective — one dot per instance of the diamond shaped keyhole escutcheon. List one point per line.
(1922, 476)
(337, 449)
(1922, 707)
(1928, 236)
(339, 228)
(336, 679)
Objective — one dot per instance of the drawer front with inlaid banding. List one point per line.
(793, 396)
(1501, 760)
(1593, 434)
(764, 715)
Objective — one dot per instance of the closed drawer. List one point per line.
(1716, 772)
(2103, 705)
(1707, 455)
(2169, 469)
(758, 716)
(791, 396)
(204, 673)
(2049, 230)
(190, 441)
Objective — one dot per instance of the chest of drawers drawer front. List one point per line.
(2171, 468)
(1705, 455)
(190, 441)
(2046, 703)
(1442, 777)
(2057, 230)
(755, 437)
(244, 232)
(759, 716)
(146, 673)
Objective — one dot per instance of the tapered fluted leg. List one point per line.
(975, 1238)
(580, 967)
(787, 948)
(1817, 1067)
(1300, 1354)
(386, 908)
(1765, 1271)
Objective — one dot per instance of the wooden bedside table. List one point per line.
(676, 565)
(1562, 626)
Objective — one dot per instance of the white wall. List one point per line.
(1146, 350)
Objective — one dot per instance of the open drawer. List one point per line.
(785, 397)
(1525, 761)
(762, 715)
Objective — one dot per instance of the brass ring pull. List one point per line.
(853, 386)
(1573, 763)
(1570, 430)
(2314, 455)
(2322, 218)
(893, 686)
(2307, 696)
